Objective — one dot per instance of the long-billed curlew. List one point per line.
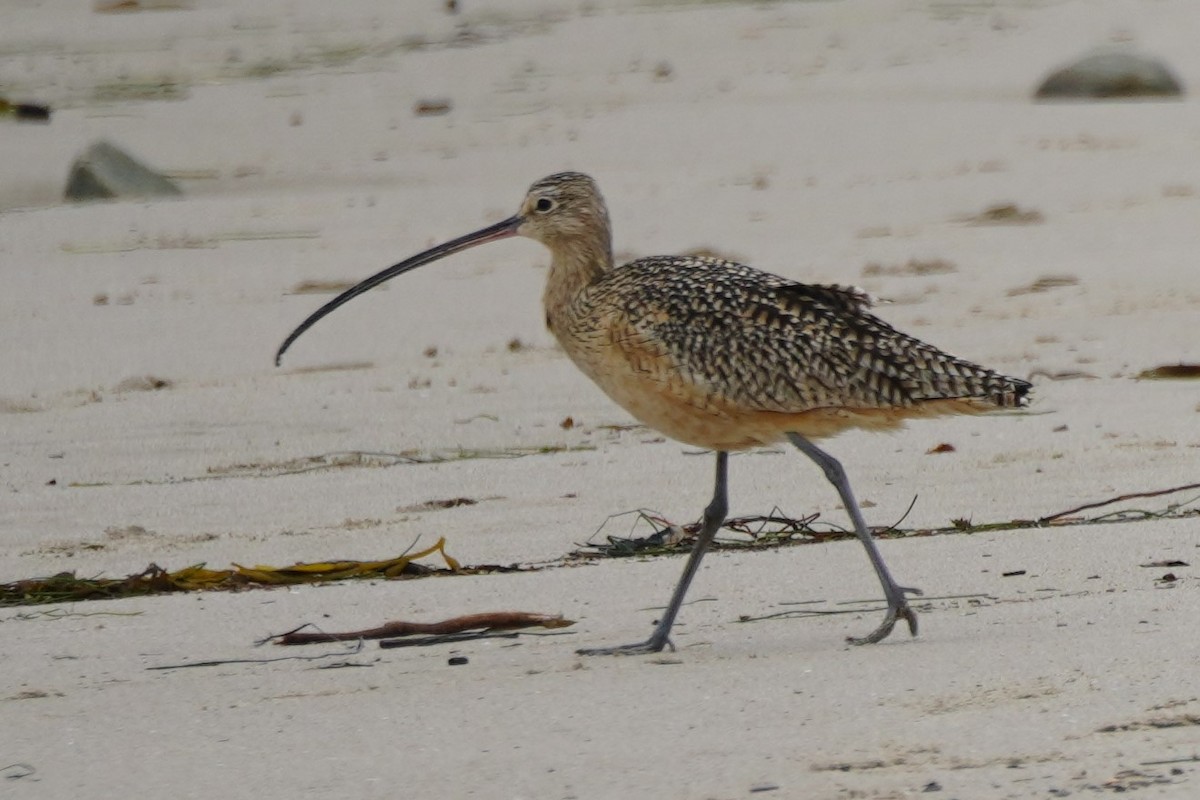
(724, 357)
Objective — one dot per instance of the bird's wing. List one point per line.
(850, 299)
(762, 343)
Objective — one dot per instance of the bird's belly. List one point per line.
(680, 420)
(664, 401)
(713, 422)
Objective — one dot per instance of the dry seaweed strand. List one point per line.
(765, 531)
(220, 662)
(769, 530)
(802, 613)
(668, 538)
(67, 587)
(483, 622)
(1119, 498)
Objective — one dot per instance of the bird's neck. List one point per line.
(575, 265)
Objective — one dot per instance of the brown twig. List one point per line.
(488, 621)
(1117, 499)
(895, 525)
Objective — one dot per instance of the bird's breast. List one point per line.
(639, 374)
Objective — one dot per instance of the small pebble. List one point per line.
(456, 661)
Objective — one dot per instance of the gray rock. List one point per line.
(1110, 76)
(104, 171)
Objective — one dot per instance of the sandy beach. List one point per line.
(856, 142)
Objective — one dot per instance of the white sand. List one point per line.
(811, 139)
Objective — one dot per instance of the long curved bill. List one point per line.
(501, 230)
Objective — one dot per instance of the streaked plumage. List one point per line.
(753, 355)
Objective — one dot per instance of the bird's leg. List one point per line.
(897, 604)
(714, 515)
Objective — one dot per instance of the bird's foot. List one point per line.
(898, 609)
(652, 645)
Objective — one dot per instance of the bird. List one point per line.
(724, 357)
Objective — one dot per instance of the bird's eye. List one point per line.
(544, 204)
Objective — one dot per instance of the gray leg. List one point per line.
(897, 605)
(714, 515)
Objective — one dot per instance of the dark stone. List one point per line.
(1110, 76)
(104, 171)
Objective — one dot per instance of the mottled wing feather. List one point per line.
(742, 337)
